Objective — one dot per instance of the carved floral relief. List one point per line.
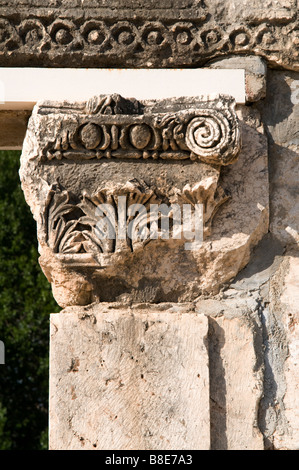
(111, 183)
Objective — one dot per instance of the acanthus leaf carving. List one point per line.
(91, 223)
(74, 225)
(83, 163)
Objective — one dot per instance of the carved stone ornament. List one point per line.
(138, 201)
(173, 33)
(105, 129)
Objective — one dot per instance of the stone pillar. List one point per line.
(129, 378)
(140, 357)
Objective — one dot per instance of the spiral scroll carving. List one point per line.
(213, 137)
(112, 128)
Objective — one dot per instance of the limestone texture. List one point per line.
(146, 34)
(279, 406)
(255, 73)
(157, 376)
(129, 379)
(160, 347)
(281, 116)
(289, 303)
(236, 372)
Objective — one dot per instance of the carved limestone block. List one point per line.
(144, 201)
(140, 379)
(173, 33)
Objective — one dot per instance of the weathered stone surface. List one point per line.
(129, 378)
(146, 34)
(254, 11)
(236, 372)
(255, 73)
(290, 304)
(280, 114)
(110, 360)
(264, 262)
(78, 156)
(248, 362)
(279, 412)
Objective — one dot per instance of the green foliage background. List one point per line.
(25, 304)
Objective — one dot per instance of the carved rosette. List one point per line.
(171, 34)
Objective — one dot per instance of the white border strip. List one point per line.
(21, 88)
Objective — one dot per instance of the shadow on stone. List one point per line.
(264, 261)
(218, 412)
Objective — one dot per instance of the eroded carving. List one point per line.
(91, 223)
(148, 35)
(74, 226)
(111, 183)
(203, 133)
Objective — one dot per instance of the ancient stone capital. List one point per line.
(99, 175)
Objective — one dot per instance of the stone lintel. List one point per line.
(146, 34)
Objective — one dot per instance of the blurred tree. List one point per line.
(25, 304)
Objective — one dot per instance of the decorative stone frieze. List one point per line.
(140, 34)
(110, 181)
(112, 127)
